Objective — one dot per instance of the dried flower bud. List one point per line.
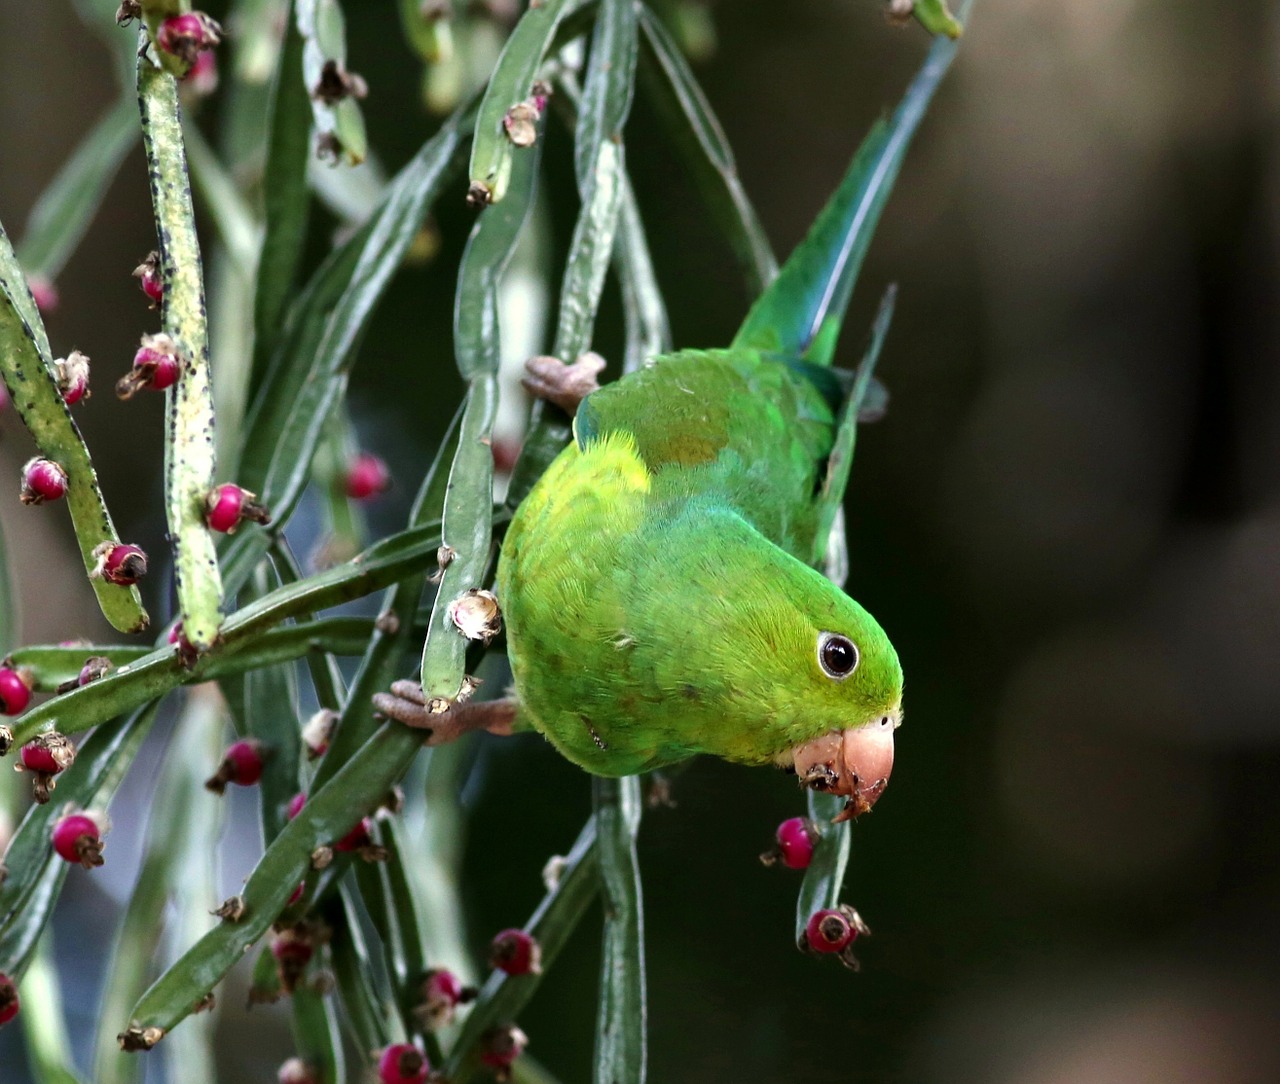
(73, 377)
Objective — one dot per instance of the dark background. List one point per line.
(1068, 523)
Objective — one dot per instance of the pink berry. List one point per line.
(293, 949)
(15, 691)
(516, 953)
(829, 931)
(48, 753)
(295, 806)
(402, 1063)
(77, 837)
(297, 894)
(202, 79)
(355, 839)
(366, 477)
(44, 293)
(148, 275)
(94, 668)
(442, 993)
(228, 506)
(241, 764)
(73, 377)
(500, 1046)
(186, 36)
(120, 564)
(155, 366)
(9, 1003)
(796, 838)
(296, 1071)
(42, 480)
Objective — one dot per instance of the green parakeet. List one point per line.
(658, 583)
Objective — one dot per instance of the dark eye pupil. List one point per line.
(839, 656)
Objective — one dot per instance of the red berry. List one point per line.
(120, 564)
(293, 949)
(355, 839)
(829, 931)
(796, 838)
(44, 293)
(42, 480)
(186, 36)
(148, 275)
(241, 764)
(516, 953)
(202, 79)
(49, 753)
(295, 806)
(228, 506)
(367, 476)
(402, 1063)
(500, 1046)
(155, 366)
(73, 377)
(77, 837)
(442, 993)
(15, 691)
(297, 894)
(9, 1003)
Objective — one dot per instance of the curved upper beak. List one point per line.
(855, 763)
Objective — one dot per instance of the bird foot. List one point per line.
(443, 720)
(565, 385)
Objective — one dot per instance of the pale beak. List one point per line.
(854, 763)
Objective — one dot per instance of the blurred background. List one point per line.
(1069, 523)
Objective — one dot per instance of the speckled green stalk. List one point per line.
(189, 459)
(27, 369)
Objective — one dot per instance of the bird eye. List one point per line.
(837, 655)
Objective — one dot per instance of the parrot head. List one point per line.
(781, 665)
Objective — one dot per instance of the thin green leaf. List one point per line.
(840, 461)
(161, 670)
(44, 1024)
(181, 813)
(366, 1011)
(468, 503)
(285, 200)
(689, 120)
(189, 451)
(27, 369)
(271, 715)
(64, 210)
(338, 120)
(383, 658)
(934, 16)
(309, 372)
(35, 875)
(493, 153)
(315, 1033)
(555, 919)
(824, 878)
(622, 1019)
(648, 331)
(355, 789)
(589, 253)
(608, 86)
(801, 311)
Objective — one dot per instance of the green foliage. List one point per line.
(247, 611)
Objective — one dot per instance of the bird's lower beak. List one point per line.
(854, 763)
